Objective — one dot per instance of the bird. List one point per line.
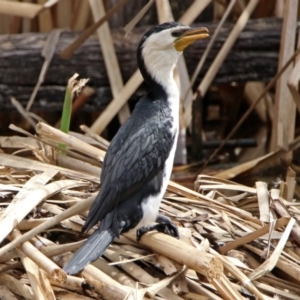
(139, 160)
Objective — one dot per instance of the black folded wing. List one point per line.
(135, 156)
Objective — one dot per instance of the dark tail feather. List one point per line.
(92, 249)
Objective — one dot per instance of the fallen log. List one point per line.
(254, 57)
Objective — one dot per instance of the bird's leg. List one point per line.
(164, 224)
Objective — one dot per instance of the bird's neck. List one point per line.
(163, 82)
(158, 73)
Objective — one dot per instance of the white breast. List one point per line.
(160, 57)
(150, 206)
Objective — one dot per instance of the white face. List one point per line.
(160, 55)
(164, 39)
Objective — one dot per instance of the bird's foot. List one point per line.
(165, 225)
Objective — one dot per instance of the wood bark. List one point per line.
(253, 57)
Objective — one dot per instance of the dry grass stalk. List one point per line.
(77, 208)
(160, 285)
(251, 92)
(293, 82)
(240, 276)
(105, 285)
(291, 184)
(259, 162)
(66, 295)
(282, 211)
(284, 115)
(72, 283)
(190, 194)
(128, 28)
(280, 293)
(285, 265)
(34, 276)
(17, 287)
(188, 100)
(200, 290)
(45, 19)
(6, 293)
(22, 111)
(63, 16)
(47, 53)
(42, 261)
(131, 268)
(263, 201)
(81, 16)
(110, 57)
(69, 50)
(270, 263)
(54, 250)
(283, 284)
(103, 144)
(90, 140)
(56, 135)
(199, 261)
(25, 10)
(117, 102)
(114, 273)
(140, 275)
(14, 161)
(252, 236)
(194, 11)
(17, 142)
(240, 24)
(31, 195)
(80, 165)
(227, 289)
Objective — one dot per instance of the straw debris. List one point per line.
(224, 229)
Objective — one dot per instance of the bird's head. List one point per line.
(161, 46)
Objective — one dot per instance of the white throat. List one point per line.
(161, 68)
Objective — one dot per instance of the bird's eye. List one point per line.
(178, 33)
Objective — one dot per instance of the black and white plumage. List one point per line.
(139, 160)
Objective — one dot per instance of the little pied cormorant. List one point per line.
(139, 160)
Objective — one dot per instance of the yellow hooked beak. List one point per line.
(189, 36)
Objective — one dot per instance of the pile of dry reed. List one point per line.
(237, 242)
